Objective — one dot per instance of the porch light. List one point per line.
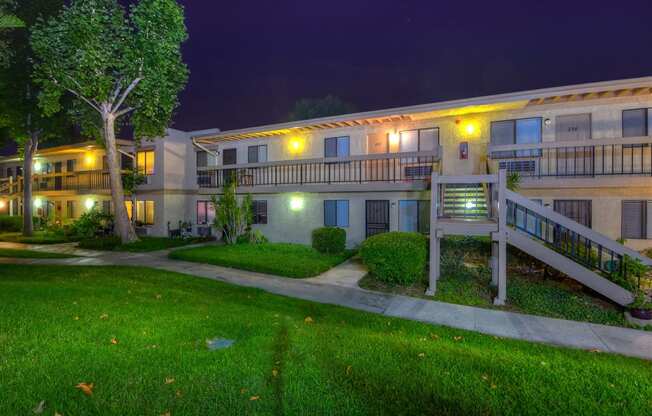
(89, 159)
(38, 203)
(295, 145)
(470, 129)
(2, 204)
(89, 204)
(37, 166)
(393, 139)
(296, 203)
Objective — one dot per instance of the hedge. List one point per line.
(396, 257)
(11, 224)
(329, 240)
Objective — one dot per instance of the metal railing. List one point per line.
(395, 167)
(91, 180)
(588, 158)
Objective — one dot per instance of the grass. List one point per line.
(466, 280)
(282, 259)
(339, 361)
(39, 237)
(30, 254)
(144, 244)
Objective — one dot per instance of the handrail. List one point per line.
(375, 156)
(577, 143)
(576, 227)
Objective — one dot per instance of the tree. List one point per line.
(8, 20)
(330, 105)
(21, 116)
(231, 218)
(118, 67)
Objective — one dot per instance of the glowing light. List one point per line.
(89, 159)
(89, 203)
(295, 145)
(38, 203)
(393, 139)
(469, 205)
(296, 203)
(2, 204)
(37, 166)
(470, 128)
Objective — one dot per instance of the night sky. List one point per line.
(251, 60)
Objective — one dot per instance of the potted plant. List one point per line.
(641, 308)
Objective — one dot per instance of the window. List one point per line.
(71, 164)
(129, 206)
(145, 161)
(70, 209)
(126, 162)
(414, 216)
(205, 212)
(10, 173)
(421, 140)
(106, 207)
(636, 122)
(337, 147)
(577, 210)
(145, 212)
(522, 131)
(105, 163)
(257, 154)
(259, 212)
(634, 219)
(336, 213)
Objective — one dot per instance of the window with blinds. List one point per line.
(634, 219)
(259, 212)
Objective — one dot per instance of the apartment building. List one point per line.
(583, 150)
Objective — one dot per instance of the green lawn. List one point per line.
(30, 254)
(39, 237)
(58, 324)
(283, 259)
(144, 244)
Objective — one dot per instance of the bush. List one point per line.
(100, 243)
(396, 257)
(252, 237)
(11, 224)
(329, 240)
(91, 224)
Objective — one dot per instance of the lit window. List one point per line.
(145, 212)
(421, 140)
(146, 162)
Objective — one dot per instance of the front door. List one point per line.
(57, 179)
(377, 217)
(574, 161)
(229, 157)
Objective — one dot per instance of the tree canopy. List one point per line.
(308, 108)
(8, 21)
(113, 60)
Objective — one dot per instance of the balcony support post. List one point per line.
(502, 240)
(435, 237)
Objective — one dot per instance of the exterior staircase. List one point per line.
(464, 201)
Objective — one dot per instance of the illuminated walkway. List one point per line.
(334, 288)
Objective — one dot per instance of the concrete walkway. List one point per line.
(334, 288)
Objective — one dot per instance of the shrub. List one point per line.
(252, 237)
(396, 257)
(100, 243)
(92, 223)
(11, 224)
(329, 240)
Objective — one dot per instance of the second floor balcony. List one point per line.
(579, 159)
(386, 167)
(82, 181)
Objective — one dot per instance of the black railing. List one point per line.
(579, 161)
(398, 168)
(565, 241)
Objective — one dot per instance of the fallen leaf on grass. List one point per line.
(169, 380)
(166, 414)
(493, 386)
(422, 354)
(178, 393)
(57, 414)
(158, 296)
(104, 316)
(39, 407)
(308, 320)
(348, 369)
(252, 398)
(595, 350)
(114, 341)
(434, 336)
(459, 338)
(274, 372)
(243, 390)
(76, 318)
(86, 388)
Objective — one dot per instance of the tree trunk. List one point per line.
(30, 147)
(123, 226)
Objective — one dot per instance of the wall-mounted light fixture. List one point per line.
(89, 159)
(37, 166)
(3, 204)
(89, 203)
(296, 145)
(296, 203)
(547, 122)
(38, 202)
(393, 139)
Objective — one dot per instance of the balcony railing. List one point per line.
(386, 167)
(588, 158)
(91, 180)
